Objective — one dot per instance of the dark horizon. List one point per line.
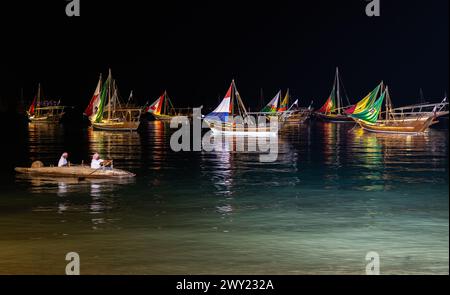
(194, 50)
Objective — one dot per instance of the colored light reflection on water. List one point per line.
(334, 194)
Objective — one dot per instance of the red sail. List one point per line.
(326, 107)
(90, 108)
(161, 101)
(31, 109)
(350, 110)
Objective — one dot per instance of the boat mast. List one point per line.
(261, 99)
(288, 97)
(388, 104)
(38, 101)
(109, 95)
(422, 98)
(338, 95)
(233, 87)
(166, 104)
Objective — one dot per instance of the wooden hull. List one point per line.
(45, 119)
(116, 126)
(297, 118)
(398, 127)
(241, 130)
(163, 117)
(75, 171)
(333, 118)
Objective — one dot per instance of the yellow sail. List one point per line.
(367, 101)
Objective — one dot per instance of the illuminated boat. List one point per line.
(334, 110)
(162, 109)
(294, 114)
(45, 111)
(370, 117)
(231, 118)
(106, 112)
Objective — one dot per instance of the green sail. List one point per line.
(370, 113)
(99, 115)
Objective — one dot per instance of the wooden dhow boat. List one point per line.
(370, 118)
(232, 118)
(75, 171)
(106, 112)
(45, 111)
(162, 109)
(294, 114)
(291, 115)
(272, 110)
(334, 110)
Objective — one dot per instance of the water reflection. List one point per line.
(123, 147)
(391, 157)
(100, 191)
(188, 212)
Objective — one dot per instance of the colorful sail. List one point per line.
(365, 102)
(159, 105)
(370, 113)
(272, 106)
(284, 103)
(91, 109)
(330, 105)
(224, 109)
(98, 116)
(32, 107)
(154, 106)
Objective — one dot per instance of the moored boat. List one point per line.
(45, 111)
(414, 126)
(106, 112)
(162, 109)
(231, 118)
(334, 110)
(370, 117)
(295, 114)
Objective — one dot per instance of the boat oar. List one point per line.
(81, 178)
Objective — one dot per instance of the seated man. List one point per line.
(63, 160)
(97, 163)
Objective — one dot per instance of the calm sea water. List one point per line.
(334, 194)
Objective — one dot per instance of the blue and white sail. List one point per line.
(224, 109)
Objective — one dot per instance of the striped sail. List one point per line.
(284, 103)
(155, 107)
(370, 113)
(98, 116)
(223, 110)
(92, 108)
(366, 101)
(330, 105)
(272, 106)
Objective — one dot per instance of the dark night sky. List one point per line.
(193, 49)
